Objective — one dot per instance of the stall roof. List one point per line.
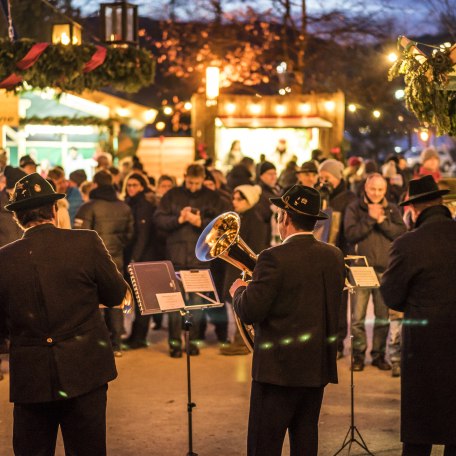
(275, 122)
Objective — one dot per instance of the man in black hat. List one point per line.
(421, 282)
(60, 356)
(293, 302)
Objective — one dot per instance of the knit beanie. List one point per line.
(12, 176)
(332, 166)
(251, 193)
(266, 166)
(428, 153)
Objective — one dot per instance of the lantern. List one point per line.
(212, 82)
(67, 33)
(119, 23)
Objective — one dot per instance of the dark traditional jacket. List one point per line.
(51, 291)
(182, 238)
(293, 302)
(369, 238)
(110, 218)
(421, 282)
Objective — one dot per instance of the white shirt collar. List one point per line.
(299, 233)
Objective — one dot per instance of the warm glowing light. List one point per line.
(230, 108)
(167, 110)
(187, 106)
(392, 57)
(160, 126)
(280, 109)
(330, 105)
(305, 108)
(400, 118)
(255, 108)
(282, 92)
(149, 115)
(399, 94)
(352, 107)
(66, 34)
(377, 114)
(424, 135)
(212, 82)
(123, 112)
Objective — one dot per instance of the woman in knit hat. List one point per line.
(253, 232)
(430, 164)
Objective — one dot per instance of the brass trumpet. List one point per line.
(220, 239)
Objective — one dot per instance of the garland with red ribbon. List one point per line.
(73, 67)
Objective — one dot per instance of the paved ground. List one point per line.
(147, 406)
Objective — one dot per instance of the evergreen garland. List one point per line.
(65, 121)
(426, 93)
(126, 69)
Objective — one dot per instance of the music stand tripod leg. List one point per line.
(350, 436)
(188, 322)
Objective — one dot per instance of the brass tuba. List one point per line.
(220, 239)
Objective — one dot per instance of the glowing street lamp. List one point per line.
(392, 57)
(119, 22)
(352, 107)
(212, 83)
(66, 33)
(377, 114)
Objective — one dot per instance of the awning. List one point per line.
(273, 122)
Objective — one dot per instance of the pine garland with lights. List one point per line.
(65, 121)
(426, 87)
(126, 69)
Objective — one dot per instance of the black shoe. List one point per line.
(193, 350)
(381, 363)
(175, 353)
(134, 345)
(396, 371)
(358, 365)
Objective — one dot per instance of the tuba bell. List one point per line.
(220, 239)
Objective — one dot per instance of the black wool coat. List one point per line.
(421, 282)
(51, 291)
(293, 302)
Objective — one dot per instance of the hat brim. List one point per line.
(34, 202)
(280, 203)
(424, 197)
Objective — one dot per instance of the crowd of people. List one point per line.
(360, 207)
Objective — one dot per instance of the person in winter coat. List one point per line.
(113, 221)
(142, 248)
(371, 225)
(253, 232)
(183, 213)
(420, 281)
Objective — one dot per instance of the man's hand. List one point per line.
(377, 212)
(183, 217)
(236, 284)
(194, 219)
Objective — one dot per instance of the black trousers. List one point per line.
(273, 410)
(82, 420)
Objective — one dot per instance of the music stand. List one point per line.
(162, 295)
(358, 277)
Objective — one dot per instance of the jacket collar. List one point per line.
(38, 228)
(298, 237)
(104, 192)
(433, 214)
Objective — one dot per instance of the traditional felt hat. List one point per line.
(301, 200)
(423, 189)
(308, 167)
(32, 191)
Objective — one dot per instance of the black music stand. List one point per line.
(359, 277)
(163, 295)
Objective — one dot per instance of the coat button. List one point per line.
(49, 340)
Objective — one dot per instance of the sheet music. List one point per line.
(365, 277)
(197, 280)
(170, 301)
